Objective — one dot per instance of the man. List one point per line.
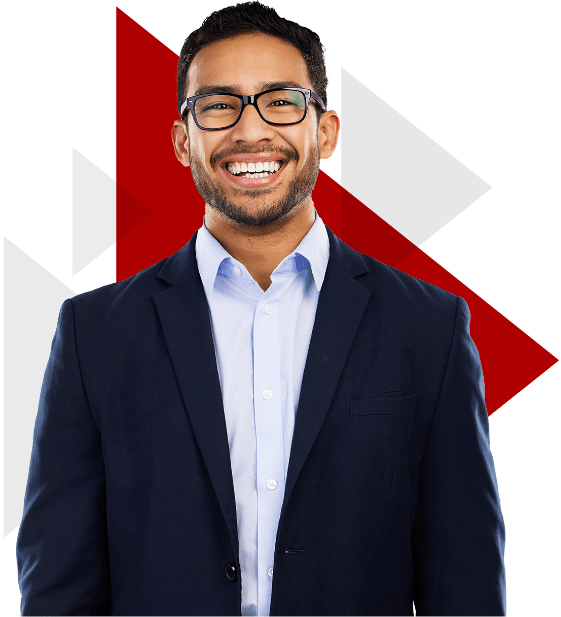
(266, 422)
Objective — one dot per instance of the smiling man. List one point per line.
(254, 160)
(266, 422)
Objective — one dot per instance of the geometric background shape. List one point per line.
(136, 211)
(148, 174)
(32, 299)
(510, 358)
(93, 211)
(396, 170)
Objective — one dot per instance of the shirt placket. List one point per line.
(268, 431)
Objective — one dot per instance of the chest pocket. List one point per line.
(383, 406)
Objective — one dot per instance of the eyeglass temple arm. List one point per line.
(318, 99)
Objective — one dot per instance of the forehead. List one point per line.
(247, 61)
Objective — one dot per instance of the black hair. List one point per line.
(251, 17)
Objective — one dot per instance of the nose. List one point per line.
(251, 128)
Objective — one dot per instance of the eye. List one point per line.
(281, 103)
(217, 106)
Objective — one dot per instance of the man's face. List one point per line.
(252, 63)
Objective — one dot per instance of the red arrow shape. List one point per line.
(150, 179)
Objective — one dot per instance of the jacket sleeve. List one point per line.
(61, 547)
(459, 532)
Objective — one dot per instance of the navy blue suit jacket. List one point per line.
(391, 495)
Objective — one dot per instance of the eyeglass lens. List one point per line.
(280, 106)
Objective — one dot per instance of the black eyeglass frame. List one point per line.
(251, 100)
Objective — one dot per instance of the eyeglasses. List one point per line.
(280, 107)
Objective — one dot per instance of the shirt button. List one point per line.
(237, 271)
(271, 484)
(267, 394)
(270, 572)
(268, 309)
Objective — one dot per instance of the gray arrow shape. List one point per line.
(93, 211)
(32, 300)
(396, 170)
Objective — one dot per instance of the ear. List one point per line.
(328, 129)
(180, 141)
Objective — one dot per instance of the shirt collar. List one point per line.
(314, 247)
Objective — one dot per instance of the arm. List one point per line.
(61, 547)
(459, 533)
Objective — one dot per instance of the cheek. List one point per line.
(200, 150)
(306, 141)
(197, 152)
(308, 150)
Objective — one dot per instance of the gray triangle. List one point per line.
(93, 210)
(32, 301)
(396, 170)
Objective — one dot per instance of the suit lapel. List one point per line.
(184, 314)
(340, 308)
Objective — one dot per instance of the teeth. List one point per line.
(261, 169)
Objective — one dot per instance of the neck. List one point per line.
(261, 249)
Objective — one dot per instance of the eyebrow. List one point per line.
(236, 88)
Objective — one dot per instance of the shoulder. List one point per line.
(423, 309)
(104, 314)
(389, 286)
(130, 296)
(135, 293)
(414, 312)
(402, 288)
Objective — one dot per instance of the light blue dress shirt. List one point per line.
(261, 340)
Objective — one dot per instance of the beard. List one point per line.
(263, 212)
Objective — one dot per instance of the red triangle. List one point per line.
(146, 165)
(510, 358)
(327, 196)
(147, 169)
(131, 212)
(357, 225)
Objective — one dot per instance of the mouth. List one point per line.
(252, 173)
(261, 169)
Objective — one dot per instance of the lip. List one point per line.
(253, 182)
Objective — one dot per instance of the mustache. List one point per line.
(218, 157)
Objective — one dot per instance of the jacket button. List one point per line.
(230, 571)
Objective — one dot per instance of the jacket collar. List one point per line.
(347, 259)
